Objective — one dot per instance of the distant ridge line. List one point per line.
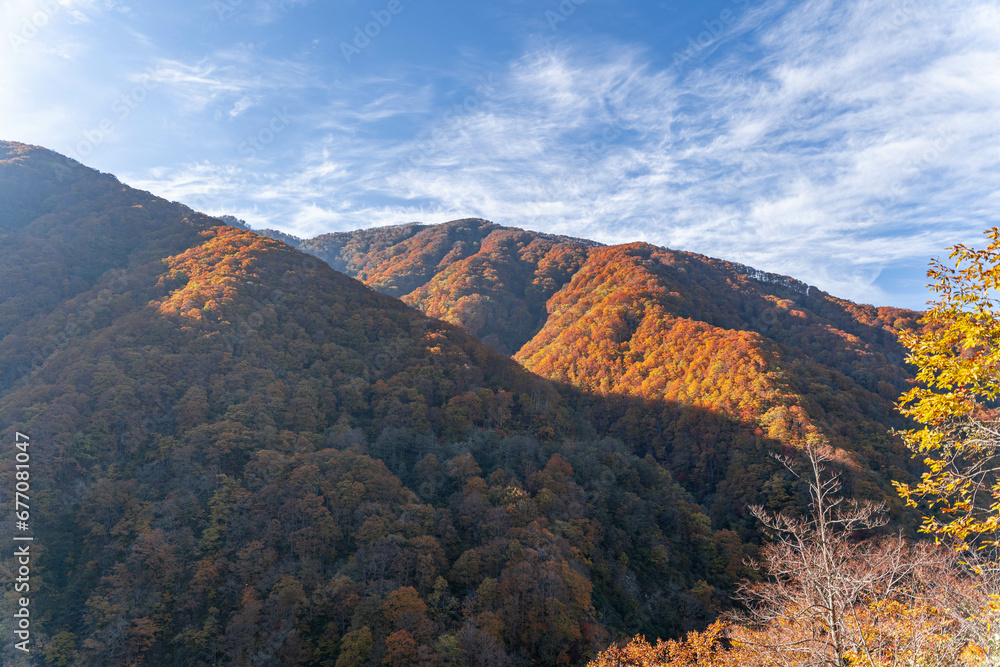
(774, 279)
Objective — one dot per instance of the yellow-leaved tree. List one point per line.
(957, 356)
(958, 360)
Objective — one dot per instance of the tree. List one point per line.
(355, 647)
(815, 568)
(698, 648)
(833, 600)
(400, 649)
(958, 360)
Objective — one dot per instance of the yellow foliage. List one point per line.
(958, 354)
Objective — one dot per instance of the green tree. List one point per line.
(59, 649)
(354, 648)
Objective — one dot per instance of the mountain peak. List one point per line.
(12, 149)
(250, 457)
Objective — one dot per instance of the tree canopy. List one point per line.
(957, 355)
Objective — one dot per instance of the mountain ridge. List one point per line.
(592, 325)
(242, 455)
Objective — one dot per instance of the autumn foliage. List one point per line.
(702, 363)
(955, 400)
(251, 458)
(831, 597)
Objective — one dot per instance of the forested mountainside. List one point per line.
(241, 456)
(697, 361)
(491, 280)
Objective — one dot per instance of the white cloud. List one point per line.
(268, 11)
(828, 140)
(242, 104)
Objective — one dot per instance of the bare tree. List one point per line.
(969, 593)
(831, 599)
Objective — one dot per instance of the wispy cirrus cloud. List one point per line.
(237, 78)
(269, 11)
(832, 141)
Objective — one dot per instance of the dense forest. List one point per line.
(700, 362)
(243, 456)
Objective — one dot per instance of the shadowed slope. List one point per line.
(241, 456)
(63, 226)
(787, 361)
(491, 280)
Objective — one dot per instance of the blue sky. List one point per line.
(843, 143)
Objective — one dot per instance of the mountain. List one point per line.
(492, 281)
(242, 456)
(697, 361)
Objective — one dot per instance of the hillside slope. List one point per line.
(706, 337)
(490, 280)
(700, 361)
(240, 456)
